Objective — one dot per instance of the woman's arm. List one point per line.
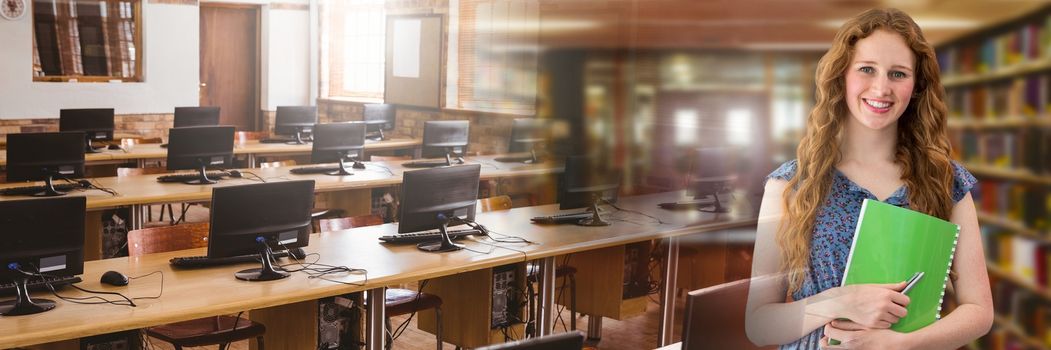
(770, 320)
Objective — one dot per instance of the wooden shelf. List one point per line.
(1007, 275)
(998, 123)
(1013, 225)
(1018, 332)
(1002, 73)
(1011, 174)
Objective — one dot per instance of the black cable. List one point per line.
(160, 293)
(312, 272)
(257, 177)
(400, 329)
(659, 221)
(391, 172)
(77, 300)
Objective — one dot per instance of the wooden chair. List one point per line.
(715, 317)
(149, 208)
(533, 271)
(397, 301)
(217, 330)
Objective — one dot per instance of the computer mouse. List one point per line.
(358, 165)
(234, 173)
(113, 146)
(114, 278)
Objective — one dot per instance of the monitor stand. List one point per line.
(265, 273)
(49, 188)
(445, 244)
(299, 138)
(449, 156)
(88, 148)
(202, 176)
(595, 219)
(23, 305)
(718, 206)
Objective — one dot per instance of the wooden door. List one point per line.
(229, 63)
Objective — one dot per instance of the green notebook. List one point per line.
(893, 243)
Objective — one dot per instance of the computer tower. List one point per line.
(337, 317)
(636, 272)
(504, 296)
(126, 340)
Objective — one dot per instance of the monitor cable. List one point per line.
(324, 270)
(658, 220)
(127, 301)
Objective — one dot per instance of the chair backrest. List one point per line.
(494, 203)
(336, 224)
(715, 318)
(572, 340)
(167, 238)
(278, 164)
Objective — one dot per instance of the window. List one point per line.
(496, 57)
(87, 40)
(355, 48)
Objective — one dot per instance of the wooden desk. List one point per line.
(253, 149)
(190, 294)
(602, 247)
(351, 193)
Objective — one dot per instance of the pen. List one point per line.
(912, 282)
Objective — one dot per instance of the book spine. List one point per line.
(948, 269)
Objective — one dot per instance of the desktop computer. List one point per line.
(338, 319)
(443, 138)
(505, 296)
(296, 121)
(125, 340)
(45, 156)
(378, 117)
(436, 199)
(95, 123)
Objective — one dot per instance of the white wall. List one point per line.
(171, 70)
(286, 58)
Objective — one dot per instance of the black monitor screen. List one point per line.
(443, 135)
(32, 157)
(96, 123)
(42, 235)
(712, 170)
(337, 140)
(582, 178)
(190, 147)
(429, 192)
(379, 116)
(277, 211)
(573, 340)
(291, 119)
(196, 116)
(525, 133)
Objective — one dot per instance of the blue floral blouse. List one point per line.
(834, 232)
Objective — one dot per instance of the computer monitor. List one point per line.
(196, 116)
(260, 218)
(572, 340)
(96, 123)
(200, 147)
(434, 198)
(584, 184)
(526, 135)
(445, 138)
(379, 117)
(295, 121)
(337, 142)
(712, 172)
(44, 237)
(45, 156)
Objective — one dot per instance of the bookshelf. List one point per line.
(998, 93)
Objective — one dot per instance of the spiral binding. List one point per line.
(952, 254)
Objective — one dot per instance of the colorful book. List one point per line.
(893, 243)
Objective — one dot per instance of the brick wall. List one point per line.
(125, 125)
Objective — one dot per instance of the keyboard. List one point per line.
(214, 175)
(192, 262)
(29, 190)
(514, 159)
(37, 284)
(314, 170)
(425, 164)
(426, 236)
(570, 218)
(688, 204)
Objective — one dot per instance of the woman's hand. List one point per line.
(876, 306)
(855, 336)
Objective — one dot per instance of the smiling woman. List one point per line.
(103, 44)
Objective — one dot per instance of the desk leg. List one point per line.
(290, 326)
(594, 329)
(671, 270)
(140, 163)
(375, 332)
(251, 160)
(547, 296)
(138, 217)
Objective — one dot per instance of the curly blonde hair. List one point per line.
(923, 149)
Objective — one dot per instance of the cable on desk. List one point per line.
(159, 294)
(659, 221)
(320, 273)
(126, 302)
(367, 164)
